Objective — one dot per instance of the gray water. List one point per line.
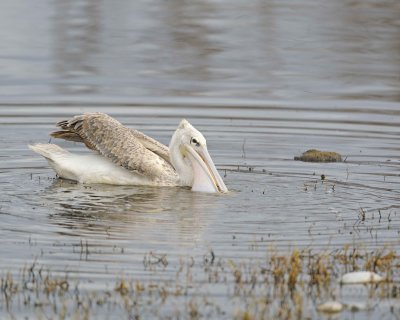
(263, 81)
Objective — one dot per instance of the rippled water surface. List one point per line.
(263, 81)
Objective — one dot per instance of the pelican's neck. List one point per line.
(181, 164)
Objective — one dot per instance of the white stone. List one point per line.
(330, 307)
(361, 277)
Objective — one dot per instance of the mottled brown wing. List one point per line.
(151, 144)
(120, 144)
(148, 142)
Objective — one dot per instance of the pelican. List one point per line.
(124, 156)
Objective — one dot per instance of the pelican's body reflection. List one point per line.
(148, 215)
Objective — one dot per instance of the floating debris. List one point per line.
(361, 277)
(314, 155)
(330, 307)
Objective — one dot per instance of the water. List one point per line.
(263, 81)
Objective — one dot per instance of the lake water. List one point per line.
(263, 81)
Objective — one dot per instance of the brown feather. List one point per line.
(128, 148)
(66, 135)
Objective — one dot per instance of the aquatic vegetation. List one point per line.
(314, 155)
(282, 286)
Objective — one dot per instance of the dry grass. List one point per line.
(279, 287)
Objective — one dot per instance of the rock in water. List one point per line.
(314, 155)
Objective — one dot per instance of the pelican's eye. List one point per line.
(195, 142)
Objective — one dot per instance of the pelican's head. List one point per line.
(190, 157)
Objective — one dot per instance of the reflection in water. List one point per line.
(363, 31)
(189, 41)
(257, 50)
(76, 36)
(147, 214)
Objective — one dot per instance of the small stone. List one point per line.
(330, 307)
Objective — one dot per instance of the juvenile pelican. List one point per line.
(128, 157)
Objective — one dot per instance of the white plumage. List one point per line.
(128, 157)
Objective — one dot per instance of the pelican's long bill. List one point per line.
(205, 176)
